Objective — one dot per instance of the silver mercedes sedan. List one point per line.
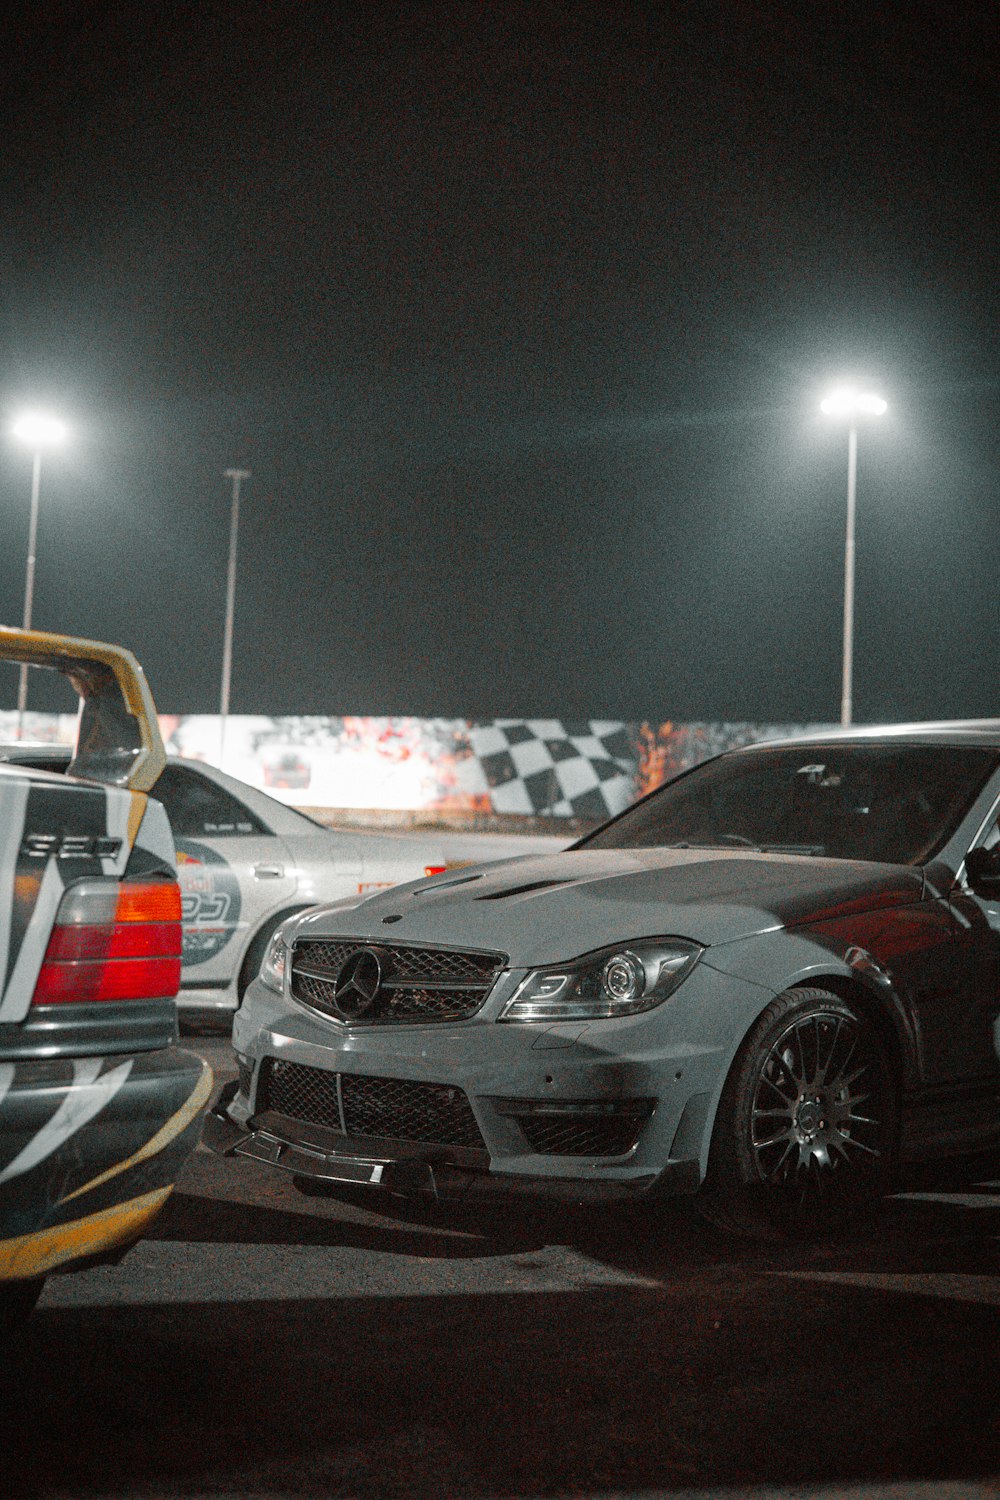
(768, 983)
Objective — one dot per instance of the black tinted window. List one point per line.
(891, 803)
(197, 808)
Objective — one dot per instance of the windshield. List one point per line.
(891, 803)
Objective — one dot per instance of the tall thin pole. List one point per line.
(848, 680)
(29, 582)
(237, 476)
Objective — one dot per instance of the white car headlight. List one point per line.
(619, 981)
(272, 970)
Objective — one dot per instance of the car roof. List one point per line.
(279, 816)
(955, 732)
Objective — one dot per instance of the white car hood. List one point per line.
(551, 908)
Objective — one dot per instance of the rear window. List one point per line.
(198, 808)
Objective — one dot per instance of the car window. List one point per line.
(890, 803)
(43, 761)
(198, 808)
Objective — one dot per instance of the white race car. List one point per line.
(99, 1107)
(245, 862)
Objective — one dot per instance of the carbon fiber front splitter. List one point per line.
(410, 1170)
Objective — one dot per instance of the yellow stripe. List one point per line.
(136, 811)
(35, 1254)
(163, 1136)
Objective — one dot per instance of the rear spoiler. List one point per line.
(117, 736)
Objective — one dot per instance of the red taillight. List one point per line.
(113, 942)
(135, 939)
(435, 869)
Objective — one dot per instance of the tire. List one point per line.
(805, 1136)
(17, 1298)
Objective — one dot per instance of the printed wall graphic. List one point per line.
(550, 768)
(533, 767)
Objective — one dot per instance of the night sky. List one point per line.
(520, 315)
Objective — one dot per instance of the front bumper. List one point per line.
(90, 1149)
(522, 1094)
(411, 1170)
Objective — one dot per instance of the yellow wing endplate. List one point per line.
(118, 737)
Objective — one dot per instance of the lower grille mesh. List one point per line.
(581, 1137)
(392, 1108)
(302, 1093)
(245, 1076)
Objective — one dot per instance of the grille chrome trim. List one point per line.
(423, 985)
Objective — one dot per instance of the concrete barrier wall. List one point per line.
(528, 767)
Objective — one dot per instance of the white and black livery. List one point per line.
(99, 1107)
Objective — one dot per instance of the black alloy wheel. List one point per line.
(805, 1136)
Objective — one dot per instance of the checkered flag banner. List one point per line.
(563, 770)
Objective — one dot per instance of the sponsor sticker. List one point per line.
(210, 902)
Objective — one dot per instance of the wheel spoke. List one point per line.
(822, 1072)
(776, 1170)
(850, 1053)
(852, 1140)
(793, 1067)
(845, 1083)
(788, 1099)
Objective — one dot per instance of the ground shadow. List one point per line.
(741, 1381)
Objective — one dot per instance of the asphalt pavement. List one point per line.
(261, 1343)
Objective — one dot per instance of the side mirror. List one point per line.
(982, 870)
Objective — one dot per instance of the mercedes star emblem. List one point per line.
(359, 983)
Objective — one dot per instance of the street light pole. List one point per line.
(37, 431)
(29, 583)
(237, 476)
(847, 681)
(849, 403)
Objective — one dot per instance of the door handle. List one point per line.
(268, 872)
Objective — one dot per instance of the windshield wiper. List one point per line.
(814, 849)
(719, 842)
(741, 842)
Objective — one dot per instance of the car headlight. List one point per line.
(272, 970)
(619, 981)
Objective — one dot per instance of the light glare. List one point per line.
(845, 401)
(38, 430)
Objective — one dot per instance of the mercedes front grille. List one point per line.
(416, 985)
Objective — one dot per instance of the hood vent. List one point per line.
(447, 885)
(521, 890)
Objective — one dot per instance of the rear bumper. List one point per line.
(62, 1031)
(213, 997)
(90, 1149)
